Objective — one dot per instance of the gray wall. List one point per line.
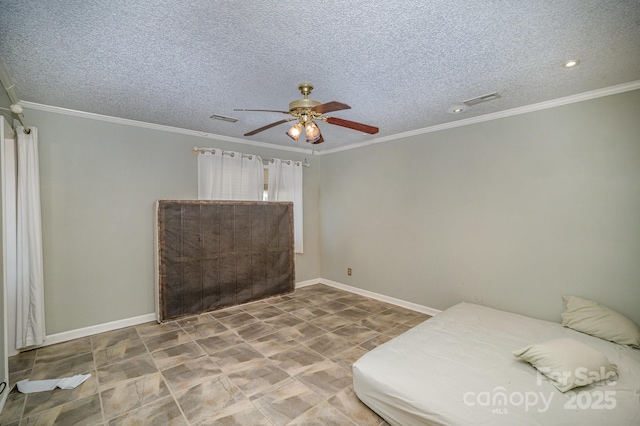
(99, 184)
(5, 102)
(512, 213)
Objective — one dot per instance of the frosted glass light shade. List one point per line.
(312, 131)
(294, 131)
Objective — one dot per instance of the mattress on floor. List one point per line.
(457, 368)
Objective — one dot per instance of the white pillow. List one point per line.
(568, 363)
(597, 320)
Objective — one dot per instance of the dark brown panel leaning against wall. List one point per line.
(215, 254)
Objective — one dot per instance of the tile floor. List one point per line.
(282, 361)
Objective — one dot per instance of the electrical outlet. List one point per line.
(349, 271)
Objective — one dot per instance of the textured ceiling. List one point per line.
(401, 65)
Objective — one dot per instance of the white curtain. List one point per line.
(30, 327)
(285, 184)
(230, 176)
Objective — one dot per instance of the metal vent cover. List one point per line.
(224, 118)
(483, 98)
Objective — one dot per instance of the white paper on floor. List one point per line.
(32, 386)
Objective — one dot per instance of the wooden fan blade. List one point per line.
(268, 126)
(330, 107)
(352, 125)
(262, 110)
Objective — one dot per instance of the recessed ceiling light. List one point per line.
(457, 110)
(572, 63)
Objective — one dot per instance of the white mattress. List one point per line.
(453, 369)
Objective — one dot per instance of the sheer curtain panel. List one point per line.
(230, 176)
(30, 327)
(285, 184)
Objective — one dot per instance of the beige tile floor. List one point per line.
(282, 361)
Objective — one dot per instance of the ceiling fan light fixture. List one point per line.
(320, 140)
(305, 112)
(295, 131)
(312, 131)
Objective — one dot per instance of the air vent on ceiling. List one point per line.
(483, 98)
(224, 118)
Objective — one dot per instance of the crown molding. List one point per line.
(612, 90)
(152, 126)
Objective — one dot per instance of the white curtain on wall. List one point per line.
(285, 184)
(30, 326)
(230, 176)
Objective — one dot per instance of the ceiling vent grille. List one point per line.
(224, 118)
(483, 98)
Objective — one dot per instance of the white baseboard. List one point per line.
(96, 329)
(388, 299)
(65, 336)
(114, 325)
(307, 283)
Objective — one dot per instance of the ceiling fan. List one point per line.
(306, 111)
